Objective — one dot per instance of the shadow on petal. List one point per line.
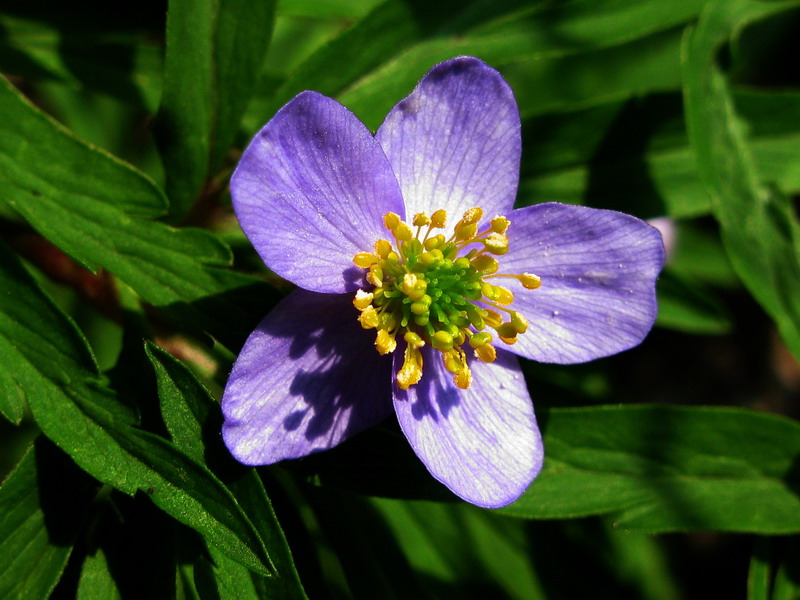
(307, 378)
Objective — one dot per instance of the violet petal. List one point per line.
(307, 378)
(454, 142)
(598, 271)
(310, 192)
(482, 443)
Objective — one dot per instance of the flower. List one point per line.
(414, 298)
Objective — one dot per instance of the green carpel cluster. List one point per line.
(426, 288)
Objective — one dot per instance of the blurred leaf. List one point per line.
(97, 56)
(364, 547)
(634, 155)
(682, 305)
(42, 506)
(659, 468)
(71, 193)
(760, 575)
(477, 552)
(694, 241)
(214, 52)
(194, 422)
(96, 582)
(786, 585)
(326, 9)
(378, 60)
(758, 226)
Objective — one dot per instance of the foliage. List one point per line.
(127, 288)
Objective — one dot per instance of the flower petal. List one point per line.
(598, 271)
(454, 142)
(307, 378)
(310, 192)
(482, 443)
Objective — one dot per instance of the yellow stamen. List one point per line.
(385, 342)
(363, 299)
(519, 322)
(383, 248)
(530, 281)
(439, 219)
(421, 219)
(487, 353)
(369, 318)
(391, 221)
(496, 243)
(499, 224)
(433, 290)
(472, 215)
(463, 378)
(363, 260)
(485, 264)
(411, 372)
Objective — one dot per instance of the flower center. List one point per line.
(431, 290)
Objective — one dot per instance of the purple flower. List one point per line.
(414, 297)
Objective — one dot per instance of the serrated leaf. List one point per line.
(132, 460)
(660, 468)
(70, 205)
(39, 158)
(39, 522)
(194, 422)
(55, 370)
(214, 51)
(760, 231)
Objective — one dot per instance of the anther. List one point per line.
(496, 243)
(421, 219)
(530, 281)
(499, 224)
(363, 299)
(363, 260)
(385, 342)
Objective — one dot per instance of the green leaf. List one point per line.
(634, 155)
(464, 546)
(55, 370)
(66, 191)
(123, 64)
(42, 506)
(39, 345)
(682, 305)
(378, 60)
(759, 230)
(785, 585)
(194, 422)
(96, 582)
(214, 51)
(659, 468)
(39, 158)
(131, 460)
(760, 573)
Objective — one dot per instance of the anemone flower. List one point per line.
(420, 284)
